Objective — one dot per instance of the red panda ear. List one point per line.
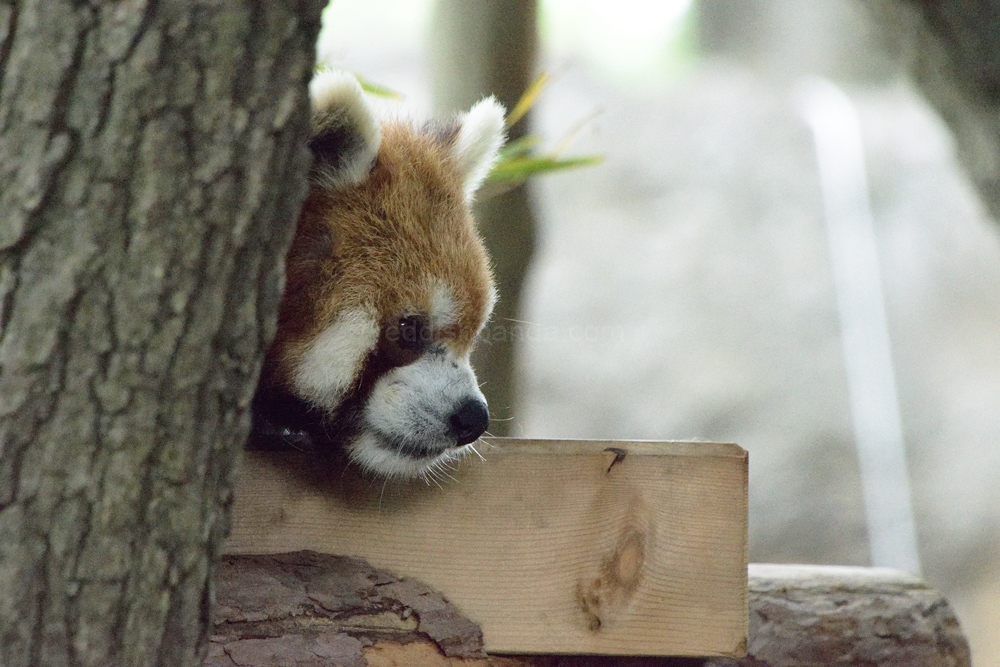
(346, 135)
(480, 136)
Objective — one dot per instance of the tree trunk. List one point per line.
(151, 166)
(952, 51)
(481, 48)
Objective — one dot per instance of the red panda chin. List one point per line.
(375, 453)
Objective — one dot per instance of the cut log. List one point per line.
(806, 615)
(307, 609)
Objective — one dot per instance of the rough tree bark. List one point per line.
(484, 48)
(151, 165)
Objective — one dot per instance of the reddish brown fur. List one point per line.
(379, 244)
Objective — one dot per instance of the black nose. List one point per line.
(469, 421)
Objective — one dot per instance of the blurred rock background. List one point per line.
(683, 290)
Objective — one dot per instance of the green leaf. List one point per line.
(521, 168)
(519, 147)
(528, 99)
(368, 86)
(377, 89)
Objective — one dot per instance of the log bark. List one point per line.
(485, 48)
(304, 608)
(152, 163)
(819, 615)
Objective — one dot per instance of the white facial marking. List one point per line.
(407, 429)
(479, 140)
(444, 312)
(490, 303)
(331, 364)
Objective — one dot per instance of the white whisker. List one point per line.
(381, 494)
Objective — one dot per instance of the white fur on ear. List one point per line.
(346, 134)
(480, 136)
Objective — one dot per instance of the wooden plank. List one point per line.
(550, 546)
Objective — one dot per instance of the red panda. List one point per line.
(387, 286)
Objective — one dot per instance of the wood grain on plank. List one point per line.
(551, 546)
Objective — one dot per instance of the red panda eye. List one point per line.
(413, 334)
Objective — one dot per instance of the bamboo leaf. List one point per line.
(377, 89)
(520, 147)
(528, 98)
(367, 85)
(521, 168)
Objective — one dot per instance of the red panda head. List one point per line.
(387, 287)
